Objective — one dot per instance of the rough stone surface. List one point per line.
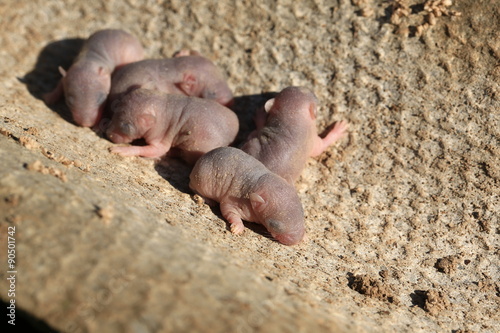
(408, 203)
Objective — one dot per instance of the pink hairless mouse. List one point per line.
(248, 191)
(287, 138)
(192, 125)
(187, 73)
(87, 82)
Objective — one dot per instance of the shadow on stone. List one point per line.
(245, 107)
(418, 298)
(24, 322)
(44, 77)
(176, 172)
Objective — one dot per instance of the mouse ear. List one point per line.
(146, 121)
(103, 70)
(62, 71)
(258, 203)
(188, 84)
(269, 104)
(312, 110)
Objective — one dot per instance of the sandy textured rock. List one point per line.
(106, 244)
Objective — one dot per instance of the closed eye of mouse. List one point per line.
(70, 100)
(127, 129)
(101, 98)
(275, 226)
(209, 94)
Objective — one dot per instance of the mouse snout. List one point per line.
(290, 238)
(122, 134)
(284, 234)
(85, 118)
(227, 101)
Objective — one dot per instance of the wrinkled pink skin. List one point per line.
(248, 191)
(287, 137)
(192, 125)
(87, 83)
(187, 73)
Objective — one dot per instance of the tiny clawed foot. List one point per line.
(122, 151)
(341, 126)
(237, 229)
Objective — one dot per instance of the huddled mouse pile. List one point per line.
(182, 105)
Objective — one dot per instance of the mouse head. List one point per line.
(86, 87)
(293, 100)
(209, 85)
(131, 120)
(278, 208)
(202, 78)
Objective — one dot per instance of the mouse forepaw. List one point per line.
(340, 127)
(144, 151)
(338, 131)
(185, 53)
(237, 228)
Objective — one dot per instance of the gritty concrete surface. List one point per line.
(402, 216)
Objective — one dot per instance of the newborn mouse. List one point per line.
(287, 137)
(187, 73)
(192, 125)
(86, 84)
(248, 191)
